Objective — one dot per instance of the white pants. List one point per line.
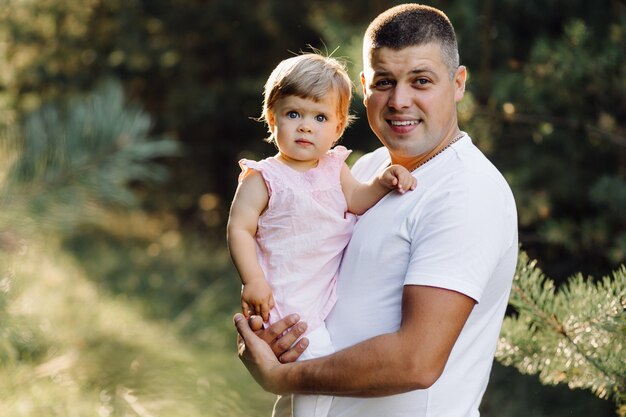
(308, 405)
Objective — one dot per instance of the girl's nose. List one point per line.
(304, 128)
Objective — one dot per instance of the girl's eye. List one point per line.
(320, 118)
(292, 114)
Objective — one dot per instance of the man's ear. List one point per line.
(460, 76)
(364, 88)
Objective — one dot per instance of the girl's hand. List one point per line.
(399, 178)
(257, 298)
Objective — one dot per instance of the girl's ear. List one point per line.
(271, 122)
(340, 129)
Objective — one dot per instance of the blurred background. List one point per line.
(121, 124)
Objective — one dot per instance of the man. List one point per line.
(425, 280)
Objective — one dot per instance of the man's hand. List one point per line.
(263, 350)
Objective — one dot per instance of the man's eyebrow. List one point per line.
(419, 71)
(381, 73)
(415, 71)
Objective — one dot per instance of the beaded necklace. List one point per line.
(440, 150)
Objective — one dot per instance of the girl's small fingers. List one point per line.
(245, 309)
(265, 312)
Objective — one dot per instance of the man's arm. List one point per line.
(411, 358)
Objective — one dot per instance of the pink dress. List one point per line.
(302, 234)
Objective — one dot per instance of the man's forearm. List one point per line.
(376, 367)
(411, 358)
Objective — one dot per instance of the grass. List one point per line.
(133, 318)
(107, 350)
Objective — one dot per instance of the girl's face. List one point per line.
(304, 129)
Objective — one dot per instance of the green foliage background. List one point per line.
(121, 124)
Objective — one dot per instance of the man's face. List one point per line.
(410, 99)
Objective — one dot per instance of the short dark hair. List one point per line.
(413, 25)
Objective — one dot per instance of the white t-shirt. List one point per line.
(457, 230)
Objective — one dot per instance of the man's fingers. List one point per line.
(280, 336)
(275, 330)
(242, 325)
(242, 328)
(282, 345)
(294, 353)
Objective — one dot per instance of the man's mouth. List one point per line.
(403, 122)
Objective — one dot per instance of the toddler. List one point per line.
(292, 214)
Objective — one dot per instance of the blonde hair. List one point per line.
(311, 76)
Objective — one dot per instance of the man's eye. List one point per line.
(321, 118)
(422, 81)
(382, 83)
(292, 114)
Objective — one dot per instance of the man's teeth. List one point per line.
(403, 123)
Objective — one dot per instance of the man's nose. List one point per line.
(400, 97)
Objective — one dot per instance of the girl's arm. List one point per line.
(361, 196)
(251, 199)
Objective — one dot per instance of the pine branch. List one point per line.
(71, 159)
(574, 335)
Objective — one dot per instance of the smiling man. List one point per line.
(425, 279)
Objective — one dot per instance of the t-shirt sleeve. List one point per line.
(461, 235)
